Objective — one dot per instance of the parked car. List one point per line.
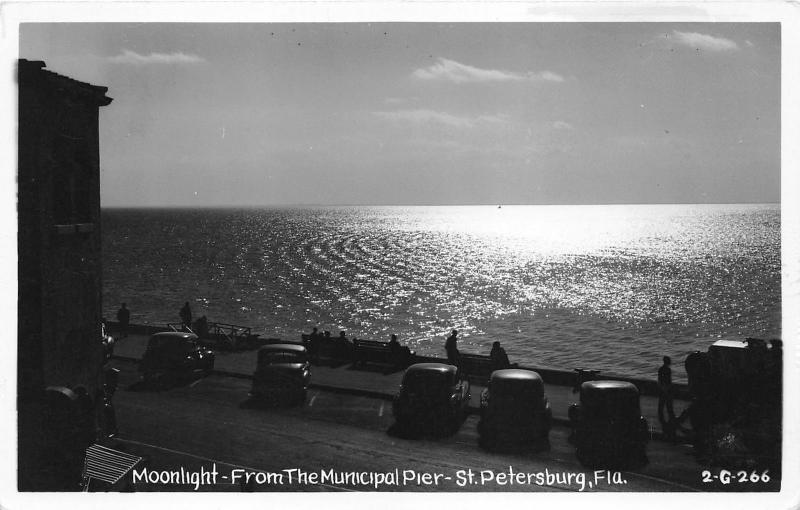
(281, 370)
(514, 410)
(432, 398)
(175, 355)
(608, 428)
(736, 400)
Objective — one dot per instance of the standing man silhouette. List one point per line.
(451, 348)
(186, 315)
(124, 319)
(665, 397)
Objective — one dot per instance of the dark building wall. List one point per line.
(60, 270)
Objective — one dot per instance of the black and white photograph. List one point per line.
(402, 254)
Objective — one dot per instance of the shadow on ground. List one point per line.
(161, 384)
(376, 369)
(276, 401)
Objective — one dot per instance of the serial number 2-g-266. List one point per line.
(725, 477)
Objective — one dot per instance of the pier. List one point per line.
(342, 377)
(210, 423)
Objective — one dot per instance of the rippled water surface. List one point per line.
(613, 287)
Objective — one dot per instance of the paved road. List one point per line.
(211, 422)
(373, 379)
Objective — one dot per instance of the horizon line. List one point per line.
(310, 205)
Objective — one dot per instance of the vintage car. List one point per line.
(281, 370)
(175, 355)
(515, 411)
(432, 398)
(608, 428)
(736, 410)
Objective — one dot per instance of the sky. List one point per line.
(246, 115)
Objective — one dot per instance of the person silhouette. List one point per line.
(186, 314)
(201, 327)
(498, 357)
(451, 348)
(665, 396)
(123, 319)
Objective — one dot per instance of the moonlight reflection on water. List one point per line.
(560, 286)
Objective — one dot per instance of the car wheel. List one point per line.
(488, 441)
(543, 445)
(410, 428)
(171, 378)
(582, 457)
(454, 423)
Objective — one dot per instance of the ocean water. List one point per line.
(611, 287)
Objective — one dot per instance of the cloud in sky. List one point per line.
(443, 118)
(427, 116)
(450, 70)
(131, 57)
(704, 41)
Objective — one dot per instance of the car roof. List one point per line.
(609, 386)
(282, 348)
(515, 374)
(431, 367)
(729, 344)
(175, 334)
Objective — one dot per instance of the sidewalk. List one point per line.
(372, 382)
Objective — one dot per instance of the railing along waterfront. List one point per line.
(559, 377)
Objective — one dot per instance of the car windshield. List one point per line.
(614, 405)
(270, 358)
(521, 389)
(182, 347)
(428, 382)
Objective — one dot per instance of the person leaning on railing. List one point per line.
(451, 348)
(498, 357)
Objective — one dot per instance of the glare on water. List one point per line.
(560, 286)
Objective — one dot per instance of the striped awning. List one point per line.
(106, 464)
